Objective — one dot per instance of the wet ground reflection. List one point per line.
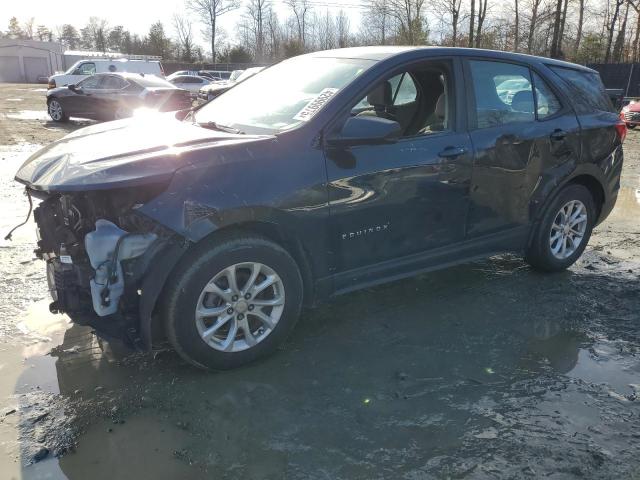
(448, 372)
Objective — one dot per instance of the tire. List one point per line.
(185, 294)
(543, 252)
(631, 127)
(56, 111)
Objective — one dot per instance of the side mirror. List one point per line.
(366, 130)
(74, 88)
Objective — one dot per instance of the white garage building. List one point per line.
(29, 61)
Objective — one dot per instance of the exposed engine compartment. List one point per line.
(94, 244)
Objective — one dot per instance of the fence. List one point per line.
(170, 67)
(625, 76)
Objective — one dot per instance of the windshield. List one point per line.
(73, 67)
(283, 96)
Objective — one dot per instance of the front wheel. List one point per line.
(232, 302)
(564, 230)
(631, 127)
(56, 112)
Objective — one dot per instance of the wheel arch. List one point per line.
(151, 329)
(587, 179)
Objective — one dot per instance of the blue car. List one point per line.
(321, 175)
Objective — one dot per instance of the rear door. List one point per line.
(522, 136)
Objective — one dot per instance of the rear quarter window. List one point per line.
(585, 89)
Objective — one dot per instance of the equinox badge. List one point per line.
(365, 231)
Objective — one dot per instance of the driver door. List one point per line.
(391, 203)
(83, 101)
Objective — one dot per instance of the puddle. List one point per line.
(603, 363)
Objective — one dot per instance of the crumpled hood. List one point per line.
(118, 154)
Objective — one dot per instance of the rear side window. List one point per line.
(503, 93)
(585, 90)
(547, 102)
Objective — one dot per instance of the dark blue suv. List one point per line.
(321, 175)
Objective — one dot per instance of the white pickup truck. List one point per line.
(83, 68)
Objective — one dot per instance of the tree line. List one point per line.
(599, 31)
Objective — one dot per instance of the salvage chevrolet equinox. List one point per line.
(320, 175)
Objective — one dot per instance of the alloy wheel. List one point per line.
(55, 110)
(240, 306)
(568, 229)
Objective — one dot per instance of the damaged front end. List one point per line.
(98, 250)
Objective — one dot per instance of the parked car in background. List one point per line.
(326, 173)
(221, 74)
(196, 73)
(630, 114)
(111, 96)
(84, 68)
(213, 90)
(191, 83)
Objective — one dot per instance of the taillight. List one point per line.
(621, 128)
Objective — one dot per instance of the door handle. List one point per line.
(558, 135)
(452, 152)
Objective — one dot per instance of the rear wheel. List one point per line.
(56, 112)
(631, 127)
(564, 231)
(232, 302)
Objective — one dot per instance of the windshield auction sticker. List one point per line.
(315, 105)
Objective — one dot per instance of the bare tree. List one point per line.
(516, 28)
(555, 43)
(28, 28)
(184, 35)
(579, 26)
(325, 34)
(342, 29)
(377, 22)
(301, 9)
(472, 17)
(274, 32)
(409, 16)
(256, 12)
(449, 10)
(482, 15)
(535, 5)
(611, 28)
(209, 11)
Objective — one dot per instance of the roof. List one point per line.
(379, 53)
(109, 55)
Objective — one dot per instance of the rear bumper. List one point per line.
(611, 186)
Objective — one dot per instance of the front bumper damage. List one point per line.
(106, 263)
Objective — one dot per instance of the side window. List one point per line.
(585, 90)
(87, 68)
(547, 104)
(90, 82)
(503, 93)
(111, 82)
(417, 99)
(406, 92)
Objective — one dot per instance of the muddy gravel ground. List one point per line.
(488, 370)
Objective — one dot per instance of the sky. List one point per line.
(135, 15)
